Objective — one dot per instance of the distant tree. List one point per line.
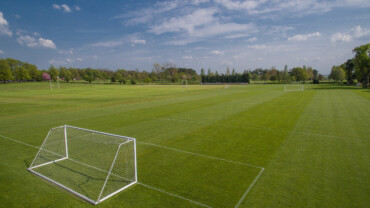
(33, 72)
(349, 67)
(299, 74)
(122, 81)
(65, 74)
(90, 75)
(227, 71)
(156, 68)
(315, 75)
(147, 80)
(337, 73)
(116, 77)
(309, 73)
(53, 73)
(5, 71)
(133, 82)
(286, 75)
(362, 64)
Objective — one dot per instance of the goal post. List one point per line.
(291, 87)
(90, 164)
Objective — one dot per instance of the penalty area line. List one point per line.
(200, 155)
(174, 195)
(30, 145)
(249, 188)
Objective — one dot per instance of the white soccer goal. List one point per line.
(293, 88)
(92, 165)
(51, 85)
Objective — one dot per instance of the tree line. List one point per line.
(356, 68)
(16, 70)
(280, 76)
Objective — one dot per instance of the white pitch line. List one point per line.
(200, 155)
(30, 145)
(175, 195)
(249, 188)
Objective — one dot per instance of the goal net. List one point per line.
(92, 165)
(293, 88)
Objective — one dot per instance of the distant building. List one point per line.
(45, 76)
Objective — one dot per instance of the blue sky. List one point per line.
(188, 33)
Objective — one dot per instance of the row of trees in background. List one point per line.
(259, 74)
(11, 69)
(15, 70)
(357, 68)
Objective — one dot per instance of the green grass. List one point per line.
(314, 145)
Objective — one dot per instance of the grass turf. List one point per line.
(314, 145)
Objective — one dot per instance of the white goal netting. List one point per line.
(292, 87)
(91, 164)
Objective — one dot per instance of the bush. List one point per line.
(133, 82)
(122, 81)
(315, 81)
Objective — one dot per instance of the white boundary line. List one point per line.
(200, 155)
(174, 195)
(183, 151)
(30, 145)
(249, 188)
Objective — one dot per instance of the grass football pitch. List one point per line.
(200, 146)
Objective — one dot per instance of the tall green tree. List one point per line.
(337, 73)
(5, 71)
(299, 74)
(349, 67)
(362, 63)
(53, 73)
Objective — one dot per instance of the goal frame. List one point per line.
(100, 198)
(287, 90)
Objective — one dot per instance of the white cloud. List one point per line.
(241, 35)
(79, 59)
(65, 8)
(295, 7)
(358, 32)
(253, 39)
(239, 5)
(66, 52)
(187, 23)
(33, 42)
(354, 33)
(27, 40)
(258, 47)
(197, 2)
(304, 37)
(340, 37)
(4, 29)
(46, 43)
(17, 16)
(1, 52)
(201, 24)
(147, 14)
(223, 28)
(110, 43)
(217, 52)
(187, 57)
(137, 41)
(56, 6)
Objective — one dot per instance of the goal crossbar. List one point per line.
(56, 148)
(296, 87)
